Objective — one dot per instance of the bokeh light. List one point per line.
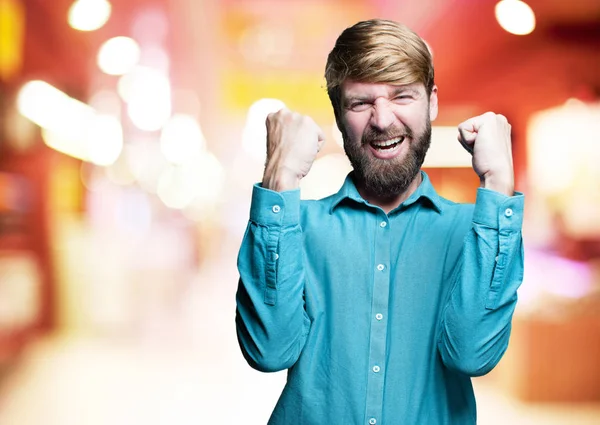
(49, 107)
(515, 16)
(118, 55)
(104, 139)
(70, 126)
(148, 96)
(89, 15)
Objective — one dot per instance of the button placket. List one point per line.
(380, 305)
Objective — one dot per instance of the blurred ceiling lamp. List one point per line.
(147, 93)
(254, 137)
(515, 17)
(118, 55)
(89, 15)
(181, 139)
(70, 126)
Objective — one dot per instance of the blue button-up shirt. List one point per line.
(380, 318)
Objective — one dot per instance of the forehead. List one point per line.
(355, 89)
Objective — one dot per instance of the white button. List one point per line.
(276, 256)
(276, 208)
(497, 258)
(379, 316)
(383, 224)
(508, 212)
(376, 369)
(372, 421)
(380, 267)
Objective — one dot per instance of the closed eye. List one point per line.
(359, 106)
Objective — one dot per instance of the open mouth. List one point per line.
(387, 144)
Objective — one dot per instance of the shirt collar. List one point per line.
(425, 194)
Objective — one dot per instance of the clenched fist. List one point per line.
(293, 141)
(487, 138)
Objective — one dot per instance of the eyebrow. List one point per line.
(405, 89)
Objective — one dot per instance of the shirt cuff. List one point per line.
(271, 208)
(498, 211)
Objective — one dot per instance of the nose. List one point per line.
(382, 115)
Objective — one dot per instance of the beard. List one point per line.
(386, 178)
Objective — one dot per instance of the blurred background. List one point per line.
(131, 133)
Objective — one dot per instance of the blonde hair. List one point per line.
(378, 51)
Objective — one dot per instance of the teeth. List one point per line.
(385, 143)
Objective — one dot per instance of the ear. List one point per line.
(433, 104)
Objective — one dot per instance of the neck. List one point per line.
(388, 203)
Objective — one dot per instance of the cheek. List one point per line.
(418, 121)
(353, 128)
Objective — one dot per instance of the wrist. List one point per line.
(498, 183)
(280, 179)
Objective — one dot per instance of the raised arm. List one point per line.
(271, 321)
(476, 323)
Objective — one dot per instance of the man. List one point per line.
(384, 299)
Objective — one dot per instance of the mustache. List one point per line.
(372, 134)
